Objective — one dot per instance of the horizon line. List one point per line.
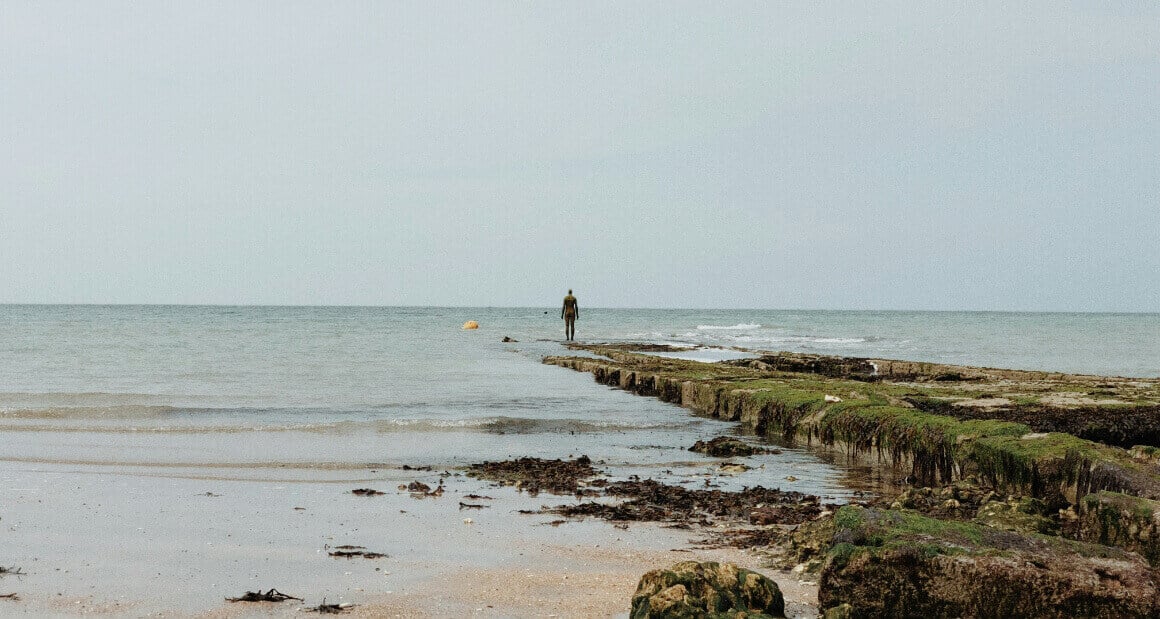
(630, 308)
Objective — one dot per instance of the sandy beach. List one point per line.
(122, 539)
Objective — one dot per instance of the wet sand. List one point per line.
(109, 537)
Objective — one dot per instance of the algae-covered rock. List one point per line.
(1120, 520)
(691, 589)
(894, 564)
(1022, 514)
(1145, 453)
(825, 365)
(966, 500)
(725, 447)
(841, 611)
(804, 549)
(957, 501)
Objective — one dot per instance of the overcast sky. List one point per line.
(904, 156)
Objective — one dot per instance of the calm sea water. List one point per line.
(350, 387)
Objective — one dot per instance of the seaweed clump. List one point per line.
(652, 501)
(535, 475)
(273, 595)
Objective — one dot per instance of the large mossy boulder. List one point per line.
(717, 590)
(890, 563)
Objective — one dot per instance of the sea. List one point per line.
(316, 392)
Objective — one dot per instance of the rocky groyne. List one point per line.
(941, 425)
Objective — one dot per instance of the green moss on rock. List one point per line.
(892, 563)
(1024, 514)
(1116, 519)
(717, 590)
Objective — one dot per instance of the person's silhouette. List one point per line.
(570, 312)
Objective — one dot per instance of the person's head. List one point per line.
(569, 291)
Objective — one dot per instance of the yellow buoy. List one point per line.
(471, 324)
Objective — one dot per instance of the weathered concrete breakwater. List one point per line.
(1108, 495)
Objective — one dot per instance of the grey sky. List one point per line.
(904, 156)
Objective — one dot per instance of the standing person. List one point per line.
(570, 312)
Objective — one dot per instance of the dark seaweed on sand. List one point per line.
(366, 492)
(651, 500)
(535, 474)
(329, 609)
(273, 595)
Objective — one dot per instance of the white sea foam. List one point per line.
(833, 340)
(777, 340)
(737, 327)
